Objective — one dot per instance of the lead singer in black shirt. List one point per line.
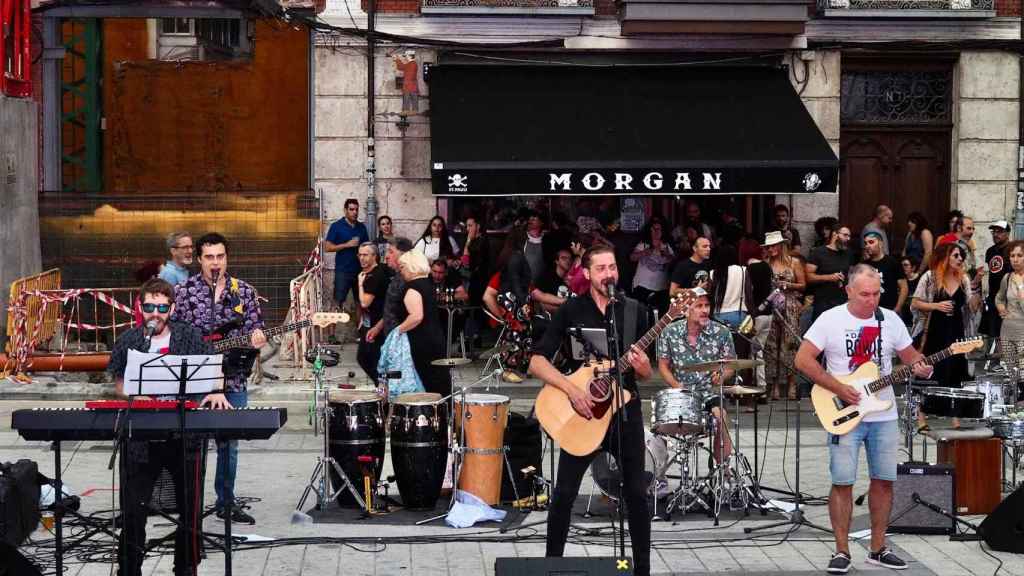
(588, 311)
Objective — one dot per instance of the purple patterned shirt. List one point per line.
(242, 308)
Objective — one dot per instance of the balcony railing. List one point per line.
(550, 7)
(909, 8)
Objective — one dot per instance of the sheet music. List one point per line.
(160, 374)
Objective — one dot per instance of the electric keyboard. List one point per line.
(62, 424)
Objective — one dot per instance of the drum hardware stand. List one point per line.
(320, 481)
(795, 518)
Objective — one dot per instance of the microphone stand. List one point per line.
(615, 371)
(795, 518)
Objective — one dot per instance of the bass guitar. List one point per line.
(578, 435)
(838, 417)
(221, 343)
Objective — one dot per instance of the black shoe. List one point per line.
(840, 563)
(885, 557)
(238, 516)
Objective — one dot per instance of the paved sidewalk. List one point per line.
(275, 471)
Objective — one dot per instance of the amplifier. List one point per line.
(592, 566)
(934, 484)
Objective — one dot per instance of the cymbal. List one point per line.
(738, 390)
(451, 362)
(726, 363)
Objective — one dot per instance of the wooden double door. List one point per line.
(904, 168)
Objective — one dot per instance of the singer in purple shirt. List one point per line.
(210, 301)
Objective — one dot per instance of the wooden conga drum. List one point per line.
(480, 421)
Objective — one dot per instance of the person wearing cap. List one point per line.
(894, 283)
(998, 265)
(406, 64)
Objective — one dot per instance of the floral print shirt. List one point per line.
(713, 343)
(238, 306)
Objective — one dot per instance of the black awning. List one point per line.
(572, 130)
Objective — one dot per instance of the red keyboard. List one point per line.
(138, 405)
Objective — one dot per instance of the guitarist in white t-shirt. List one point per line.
(849, 335)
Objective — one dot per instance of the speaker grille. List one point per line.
(934, 484)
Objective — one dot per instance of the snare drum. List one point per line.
(1008, 428)
(356, 428)
(419, 447)
(677, 413)
(952, 403)
(484, 417)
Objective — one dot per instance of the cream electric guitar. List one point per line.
(838, 417)
(575, 434)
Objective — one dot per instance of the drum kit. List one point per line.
(990, 400)
(428, 434)
(682, 432)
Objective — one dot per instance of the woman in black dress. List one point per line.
(421, 322)
(941, 300)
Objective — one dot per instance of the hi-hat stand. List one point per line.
(320, 481)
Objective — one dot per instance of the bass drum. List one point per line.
(605, 469)
(356, 428)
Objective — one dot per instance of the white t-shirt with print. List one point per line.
(836, 332)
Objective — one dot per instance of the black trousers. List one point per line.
(570, 473)
(368, 354)
(141, 464)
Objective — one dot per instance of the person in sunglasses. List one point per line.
(142, 462)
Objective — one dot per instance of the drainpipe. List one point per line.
(1018, 216)
(371, 162)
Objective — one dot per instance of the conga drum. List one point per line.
(419, 447)
(356, 428)
(480, 421)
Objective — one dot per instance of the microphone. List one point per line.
(769, 301)
(149, 329)
(214, 276)
(611, 289)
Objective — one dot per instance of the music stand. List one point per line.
(167, 374)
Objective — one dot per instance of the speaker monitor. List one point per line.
(1003, 529)
(934, 484)
(592, 566)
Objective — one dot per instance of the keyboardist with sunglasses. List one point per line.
(142, 461)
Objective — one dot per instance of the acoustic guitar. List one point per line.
(578, 435)
(838, 417)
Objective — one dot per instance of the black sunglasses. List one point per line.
(162, 308)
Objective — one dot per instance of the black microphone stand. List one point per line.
(796, 517)
(615, 372)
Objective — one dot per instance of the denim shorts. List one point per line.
(882, 444)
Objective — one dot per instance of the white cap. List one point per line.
(410, 53)
(1000, 224)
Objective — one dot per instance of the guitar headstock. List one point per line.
(325, 319)
(965, 346)
(680, 303)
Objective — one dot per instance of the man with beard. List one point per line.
(998, 265)
(694, 272)
(826, 271)
(588, 311)
(142, 462)
(372, 284)
(784, 224)
(894, 283)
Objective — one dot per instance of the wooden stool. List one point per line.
(975, 456)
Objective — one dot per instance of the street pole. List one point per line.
(371, 161)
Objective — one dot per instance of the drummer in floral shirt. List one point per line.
(211, 300)
(695, 340)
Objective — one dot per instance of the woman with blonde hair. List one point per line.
(780, 349)
(421, 322)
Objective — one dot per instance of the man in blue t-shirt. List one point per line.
(343, 238)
